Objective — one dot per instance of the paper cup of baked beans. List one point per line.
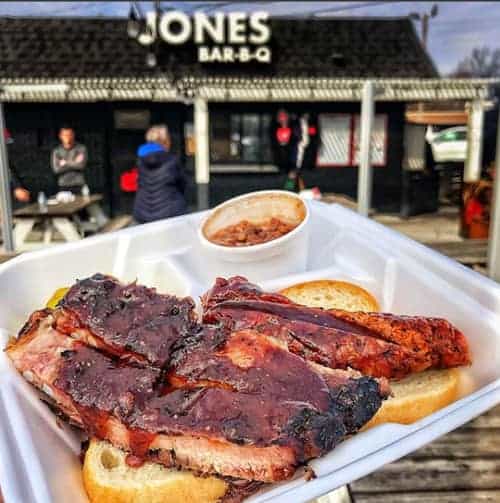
(266, 230)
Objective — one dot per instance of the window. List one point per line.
(378, 140)
(242, 138)
(339, 145)
(335, 149)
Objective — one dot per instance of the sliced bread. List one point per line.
(330, 294)
(108, 478)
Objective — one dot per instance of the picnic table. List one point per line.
(63, 217)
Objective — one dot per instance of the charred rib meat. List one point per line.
(376, 344)
(129, 321)
(234, 403)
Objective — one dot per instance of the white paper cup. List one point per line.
(279, 256)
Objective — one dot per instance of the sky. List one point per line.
(453, 33)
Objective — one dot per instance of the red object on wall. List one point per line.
(312, 131)
(129, 180)
(7, 137)
(283, 135)
(473, 210)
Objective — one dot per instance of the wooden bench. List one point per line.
(117, 223)
(4, 256)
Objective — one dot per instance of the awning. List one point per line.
(88, 90)
(262, 89)
(230, 89)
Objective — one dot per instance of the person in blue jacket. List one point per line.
(161, 184)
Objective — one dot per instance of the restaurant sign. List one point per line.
(235, 37)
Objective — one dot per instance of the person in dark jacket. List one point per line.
(161, 184)
(20, 193)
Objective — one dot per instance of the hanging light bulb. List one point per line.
(151, 59)
(134, 24)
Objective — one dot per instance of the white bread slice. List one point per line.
(415, 396)
(108, 479)
(330, 294)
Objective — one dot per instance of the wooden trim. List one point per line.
(437, 118)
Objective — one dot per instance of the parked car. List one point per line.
(448, 145)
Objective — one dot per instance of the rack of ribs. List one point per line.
(134, 367)
(376, 344)
(129, 321)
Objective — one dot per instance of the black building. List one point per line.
(89, 73)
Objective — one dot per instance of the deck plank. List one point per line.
(462, 466)
(466, 443)
(432, 497)
(409, 475)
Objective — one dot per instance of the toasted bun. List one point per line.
(330, 294)
(107, 478)
(415, 396)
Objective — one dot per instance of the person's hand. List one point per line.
(22, 195)
(62, 162)
(79, 158)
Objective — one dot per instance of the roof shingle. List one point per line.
(99, 47)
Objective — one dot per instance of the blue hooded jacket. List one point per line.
(160, 192)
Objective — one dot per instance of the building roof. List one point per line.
(92, 59)
(99, 47)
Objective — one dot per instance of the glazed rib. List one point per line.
(232, 403)
(130, 321)
(376, 344)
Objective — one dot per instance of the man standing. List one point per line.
(69, 160)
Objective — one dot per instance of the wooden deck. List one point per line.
(461, 467)
(469, 252)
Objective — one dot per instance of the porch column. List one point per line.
(473, 163)
(202, 152)
(5, 196)
(365, 167)
(494, 237)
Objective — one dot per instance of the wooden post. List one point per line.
(473, 163)
(365, 167)
(494, 237)
(202, 152)
(5, 196)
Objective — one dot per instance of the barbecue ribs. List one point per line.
(129, 321)
(376, 344)
(133, 367)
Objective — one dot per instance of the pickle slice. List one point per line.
(56, 297)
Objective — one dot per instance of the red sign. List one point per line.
(129, 180)
(283, 135)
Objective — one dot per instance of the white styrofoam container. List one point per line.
(39, 456)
